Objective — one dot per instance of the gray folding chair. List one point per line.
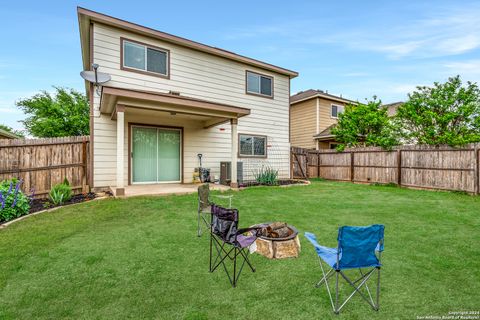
(204, 206)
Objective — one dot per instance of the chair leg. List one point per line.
(245, 256)
(378, 290)
(325, 278)
(337, 310)
(199, 228)
(234, 267)
(211, 252)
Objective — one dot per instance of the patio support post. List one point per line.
(234, 182)
(120, 190)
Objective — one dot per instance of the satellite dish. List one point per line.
(95, 77)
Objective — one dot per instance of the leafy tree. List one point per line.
(365, 125)
(447, 113)
(11, 130)
(66, 113)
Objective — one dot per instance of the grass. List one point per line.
(140, 258)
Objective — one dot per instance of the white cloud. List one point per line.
(468, 70)
(443, 31)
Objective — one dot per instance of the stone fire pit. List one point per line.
(278, 240)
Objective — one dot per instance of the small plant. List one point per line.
(13, 202)
(60, 193)
(267, 176)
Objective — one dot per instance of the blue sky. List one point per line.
(354, 48)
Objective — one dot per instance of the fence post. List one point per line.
(291, 162)
(352, 166)
(85, 168)
(306, 165)
(399, 167)
(476, 170)
(318, 164)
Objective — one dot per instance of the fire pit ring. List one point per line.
(279, 246)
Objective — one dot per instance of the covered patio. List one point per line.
(183, 124)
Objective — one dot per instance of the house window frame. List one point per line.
(264, 156)
(142, 71)
(337, 106)
(259, 94)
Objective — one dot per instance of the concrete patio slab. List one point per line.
(165, 189)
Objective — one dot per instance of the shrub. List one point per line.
(13, 202)
(60, 193)
(267, 176)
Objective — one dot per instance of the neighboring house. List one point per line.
(392, 108)
(171, 99)
(312, 115)
(8, 135)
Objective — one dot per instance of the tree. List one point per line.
(64, 114)
(365, 125)
(11, 130)
(447, 113)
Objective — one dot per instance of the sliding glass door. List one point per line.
(156, 155)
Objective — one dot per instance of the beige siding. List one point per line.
(198, 75)
(325, 119)
(303, 117)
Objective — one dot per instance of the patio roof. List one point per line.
(214, 113)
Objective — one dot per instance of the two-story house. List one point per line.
(170, 99)
(313, 113)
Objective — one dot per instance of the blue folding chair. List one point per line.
(358, 248)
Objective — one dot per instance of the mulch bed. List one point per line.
(42, 204)
(283, 182)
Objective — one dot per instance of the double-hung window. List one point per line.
(252, 146)
(144, 58)
(259, 84)
(336, 110)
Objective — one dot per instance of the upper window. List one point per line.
(259, 84)
(252, 146)
(145, 58)
(336, 110)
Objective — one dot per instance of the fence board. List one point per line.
(426, 167)
(43, 163)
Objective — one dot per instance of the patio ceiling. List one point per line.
(214, 113)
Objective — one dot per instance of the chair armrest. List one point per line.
(243, 230)
(223, 196)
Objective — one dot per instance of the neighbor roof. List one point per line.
(392, 108)
(8, 134)
(311, 93)
(86, 16)
(326, 134)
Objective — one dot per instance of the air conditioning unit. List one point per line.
(226, 172)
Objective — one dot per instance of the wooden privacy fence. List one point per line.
(426, 167)
(42, 163)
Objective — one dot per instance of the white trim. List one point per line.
(180, 158)
(120, 174)
(318, 95)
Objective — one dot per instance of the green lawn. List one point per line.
(140, 258)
